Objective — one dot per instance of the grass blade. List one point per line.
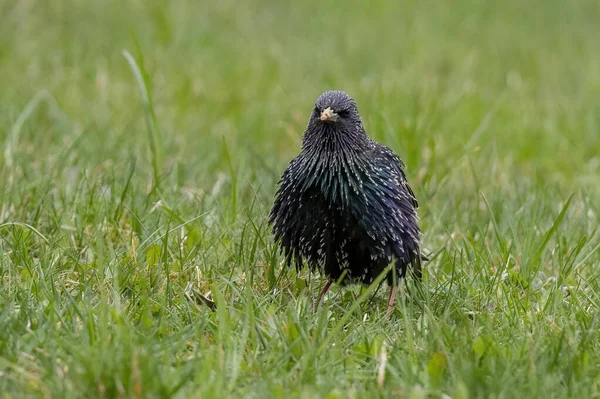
(154, 133)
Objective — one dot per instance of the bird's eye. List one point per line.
(317, 110)
(344, 113)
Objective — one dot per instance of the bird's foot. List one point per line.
(323, 292)
(390, 303)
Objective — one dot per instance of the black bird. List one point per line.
(343, 204)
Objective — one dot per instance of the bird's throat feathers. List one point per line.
(333, 162)
(331, 139)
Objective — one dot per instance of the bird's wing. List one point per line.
(389, 157)
(386, 209)
(284, 192)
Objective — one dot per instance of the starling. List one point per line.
(343, 205)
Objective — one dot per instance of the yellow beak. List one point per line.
(328, 115)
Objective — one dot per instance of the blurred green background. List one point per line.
(493, 105)
(437, 75)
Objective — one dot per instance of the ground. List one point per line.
(141, 146)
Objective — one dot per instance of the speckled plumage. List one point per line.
(344, 204)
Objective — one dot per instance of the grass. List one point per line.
(131, 184)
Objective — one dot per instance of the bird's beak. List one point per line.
(328, 115)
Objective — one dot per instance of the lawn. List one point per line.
(141, 144)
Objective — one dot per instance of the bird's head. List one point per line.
(334, 125)
(336, 108)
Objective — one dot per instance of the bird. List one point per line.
(343, 205)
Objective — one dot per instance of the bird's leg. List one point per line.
(390, 304)
(323, 291)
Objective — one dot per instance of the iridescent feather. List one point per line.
(344, 205)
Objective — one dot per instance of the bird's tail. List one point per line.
(417, 268)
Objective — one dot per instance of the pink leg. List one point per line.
(323, 291)
(390, 304)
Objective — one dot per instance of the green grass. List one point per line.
(130, 183)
